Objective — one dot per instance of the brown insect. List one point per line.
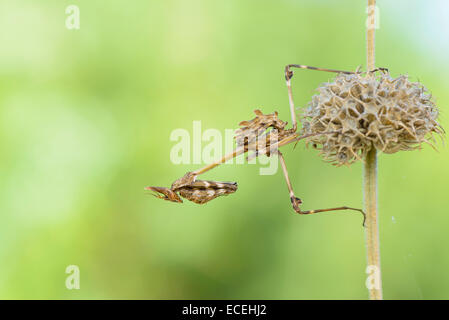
(264, 134)
(198, 191)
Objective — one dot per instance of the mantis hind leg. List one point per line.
(296, 202)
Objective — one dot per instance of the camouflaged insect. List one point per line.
(259, 135)
(198, 191)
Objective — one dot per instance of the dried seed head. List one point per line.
(370, 111)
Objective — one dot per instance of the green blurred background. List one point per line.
(85, 121)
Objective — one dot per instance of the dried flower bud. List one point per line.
(370, 111)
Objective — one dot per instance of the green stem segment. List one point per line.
(374, 282)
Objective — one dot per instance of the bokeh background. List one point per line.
(85, 121)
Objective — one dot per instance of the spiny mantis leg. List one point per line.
(288, 78)
(296, 202)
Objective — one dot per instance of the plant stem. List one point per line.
(370, 182)
(372, 226)
(370, 35)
